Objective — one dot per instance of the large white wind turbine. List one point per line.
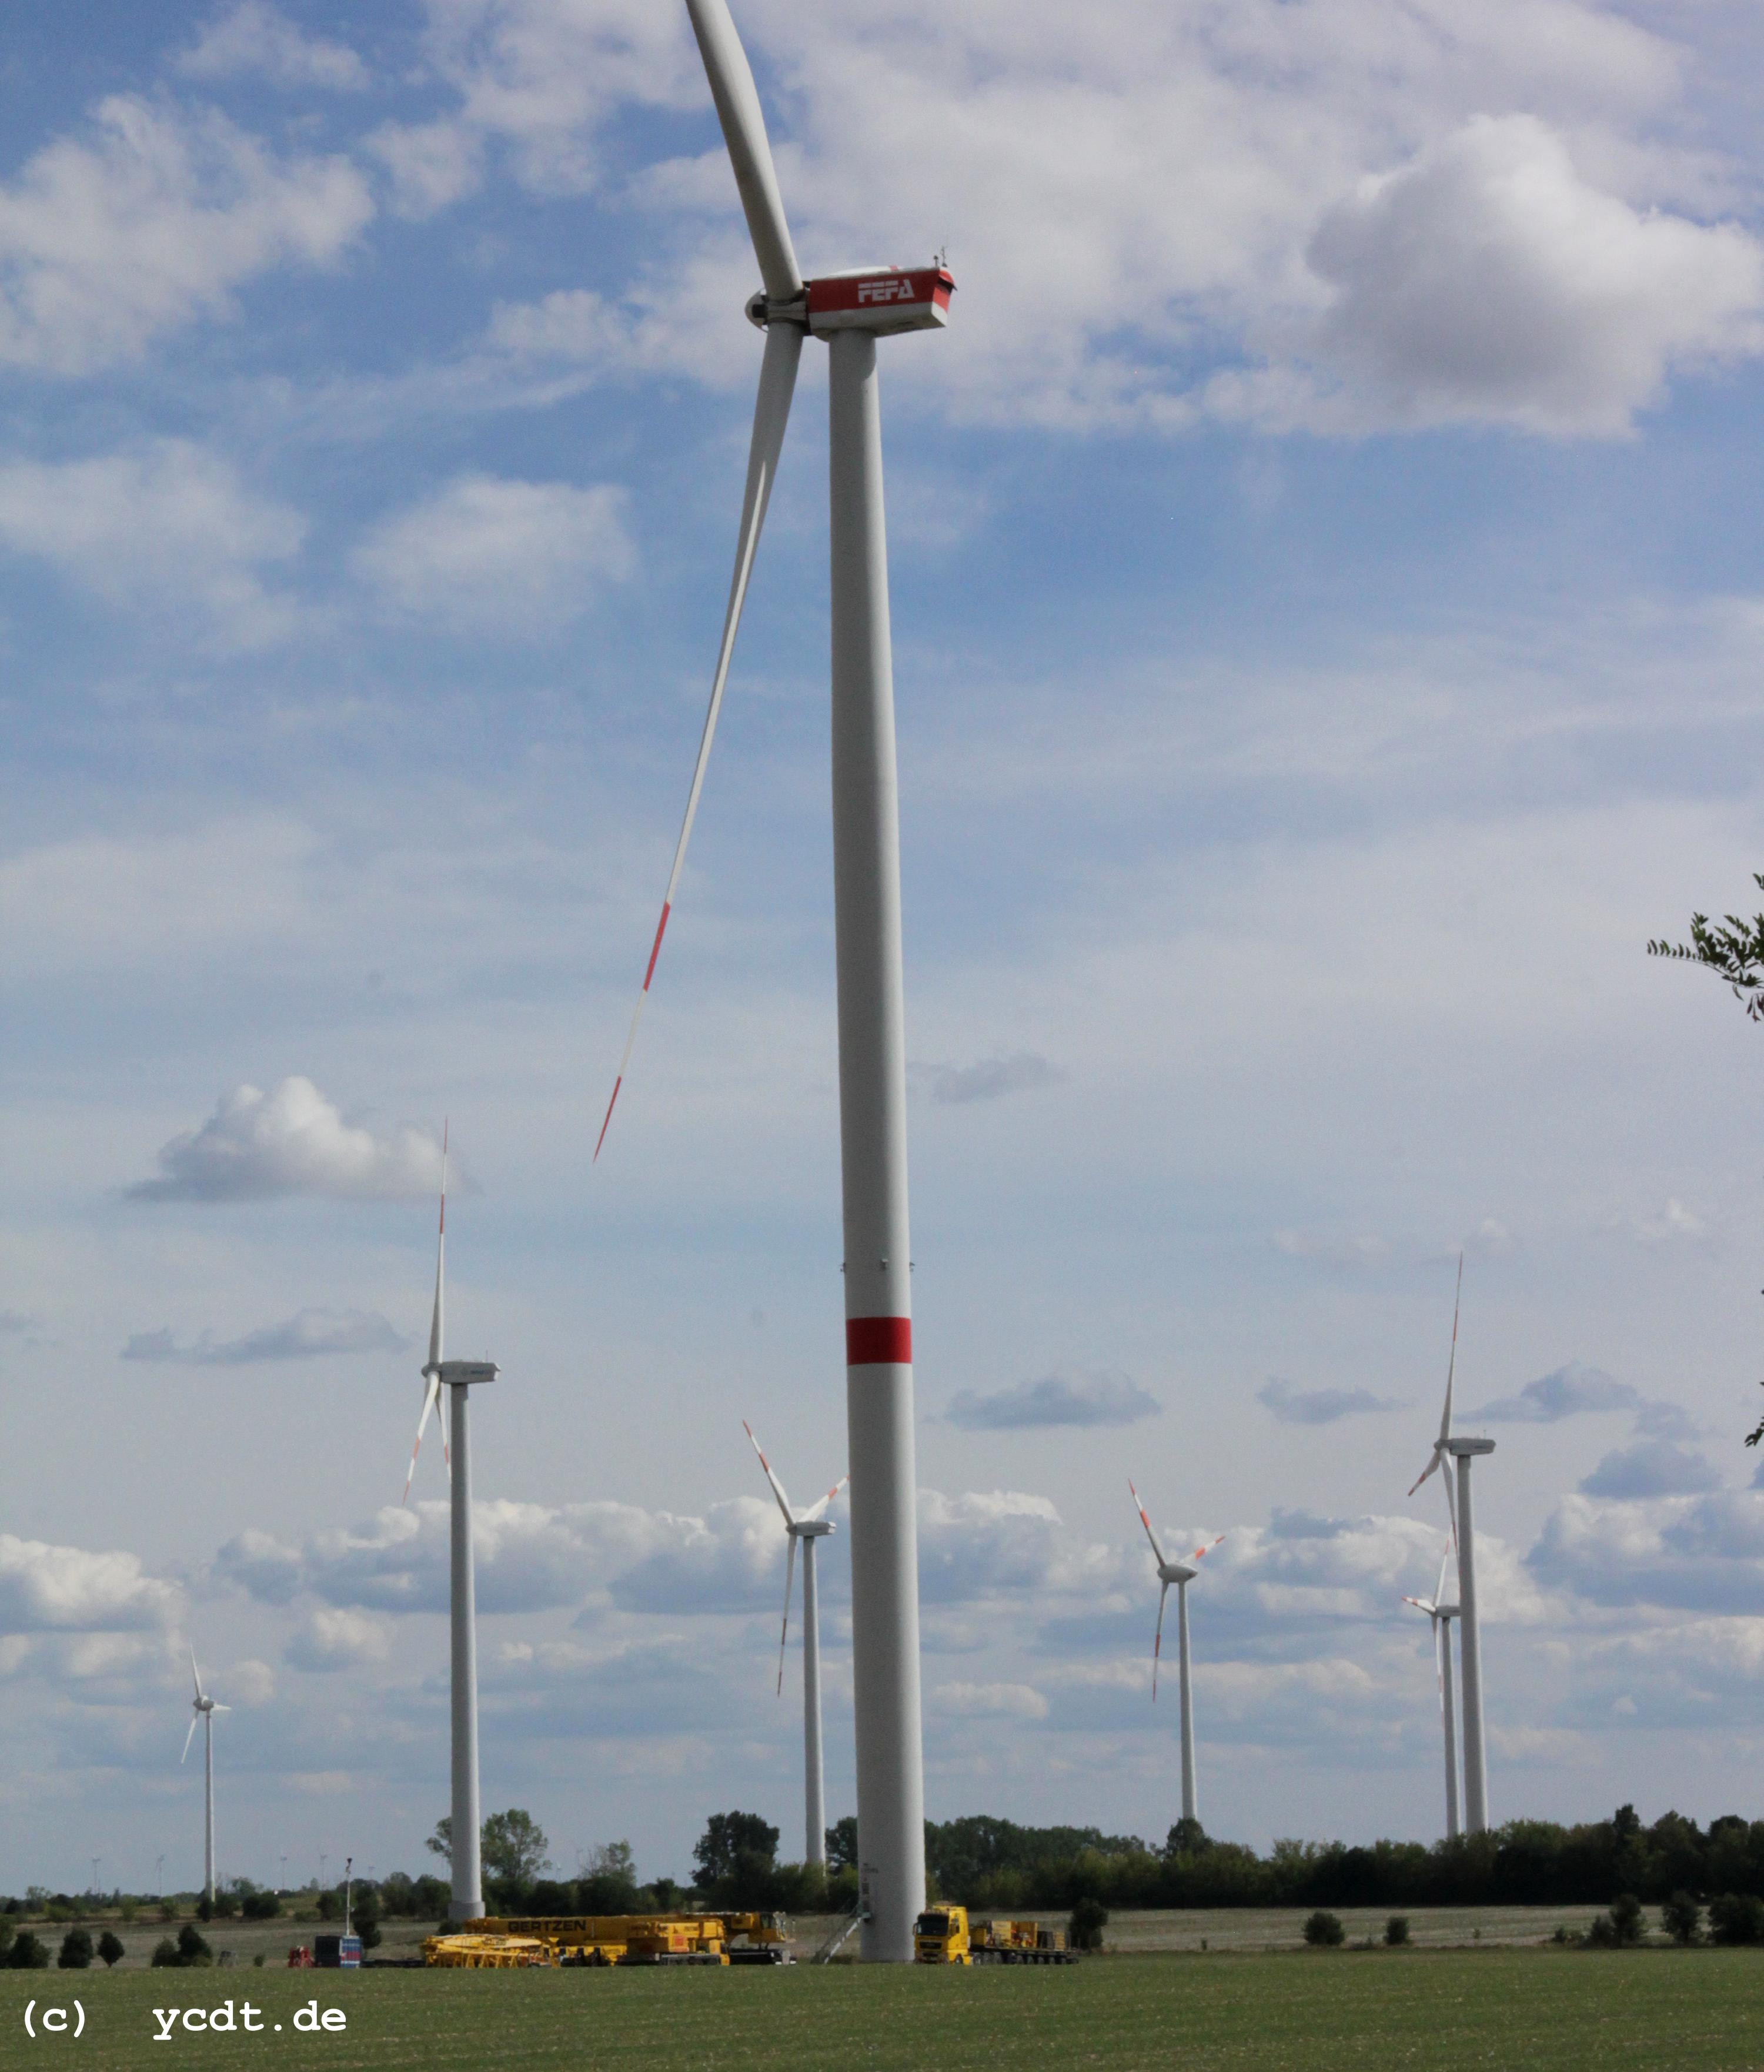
(458, 1377)
(204, 1707)
(1448, 1445)
(1182, 1574)
(804, 1526)
(1441, 1612)
(850, 310)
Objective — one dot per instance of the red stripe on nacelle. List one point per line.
(655, 947)
(879, 1341)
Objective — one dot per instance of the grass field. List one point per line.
(1340, 2011)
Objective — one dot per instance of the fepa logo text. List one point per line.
(898, 288)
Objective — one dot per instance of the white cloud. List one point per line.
(44, 1588)
(308, 1335)
(988, 1701)
(255, 37)
(160, 529)
(984, 1544)
(331, 1637)
(431, 164)
(1675, 1224)
(1328, 1250)
(152, 219)
(1289, 1405)
(1056, 1399)
(988, 1078)
(291, 1140)
(1651, 1467)
(1573, 1391)
(522, 557)
(1487, 279)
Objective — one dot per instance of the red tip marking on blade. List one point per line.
(666, 908)
(600, 1139)
(879, 1341)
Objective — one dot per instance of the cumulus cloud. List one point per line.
(984, 1544)
(988, 1701)
(255, 37)
(1327, 1250)
(1702, 1552)
(1288, 1405)
(1573, 1391)
(335, 1638)
(988, 1078)
(45, 1588)
(151, 219)
(291, 1140)
(308, 1335)
(1058, 1398)
(1675, 1224)
(1487, 278)
(521, 556)
(1651, 1467)
(167, 527)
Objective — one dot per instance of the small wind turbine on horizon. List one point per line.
(204, 1707)
(1440, 1612)
(805, 1526)
(1450, 1446)
(1180, 1574)
(850, 310)
(467, 1902)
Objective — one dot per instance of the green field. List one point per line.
(1341, 2011)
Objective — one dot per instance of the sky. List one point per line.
(1324, 552)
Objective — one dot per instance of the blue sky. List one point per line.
(1325, 551)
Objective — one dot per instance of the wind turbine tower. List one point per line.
(1449, 1446)
(804, 1527)
(849, 310)
(1441, 1613)
(1182, 1574)
(458, 1378)
(204, 1709)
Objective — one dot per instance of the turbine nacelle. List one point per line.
(885, 300)
(1176, 1572)
(810, 1528)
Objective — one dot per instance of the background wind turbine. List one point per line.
(1450, 1446)
(203, 1708)
(850, 310)
(457, 1377)
(806, 1526)
(1440, 1612)
(1182, 1574)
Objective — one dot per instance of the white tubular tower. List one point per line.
(1186, 1697)
(814, 1770)
(467, 1900)
(1464, 1451)
(1448, 1707)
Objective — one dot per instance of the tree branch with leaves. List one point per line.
(1734, 951)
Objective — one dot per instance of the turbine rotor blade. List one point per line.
(190, 1737)
(1445, 1562)
(1433, 1463)
(1157, 1639)
(772, 414)
(750, 152)
(430, 1396)
(1200, 1551)
(437, 1318)
(815, 1510)
(1144, 1521)
(1451, 1364)
(195, 1676)
(790, 1578)
(777, 1487)
(220, 1708)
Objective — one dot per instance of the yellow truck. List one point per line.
(943, 1936)
(614, 1939)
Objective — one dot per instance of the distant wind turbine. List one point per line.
(807, 1527)
(458, 1377)
(204, 1709)
(1448, 1445)
(1441, 1612)
(1182, 1574)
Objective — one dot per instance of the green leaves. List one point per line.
(1734, 951)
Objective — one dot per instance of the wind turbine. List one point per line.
(806, 1526)
(458, 1377)
(1182, 1574)
(1448, 1445)
(203, 1708)
(1440, 1613)
(850, 310)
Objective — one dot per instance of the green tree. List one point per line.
(1396, 1931)
(192, 1949)
(1734, 951)
(1683, 1918)
(842, 1843)
(1736, 1918)
(1187, 1838)
(164, 1955)
(514, 1847)
(732, 1846)
(110, 1947)
(1084, 1930)
(75, 1951)
(609, 1881)
(1324, 1931)
(29, 1952)
(440, 1844)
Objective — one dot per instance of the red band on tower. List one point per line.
(879, 1341)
